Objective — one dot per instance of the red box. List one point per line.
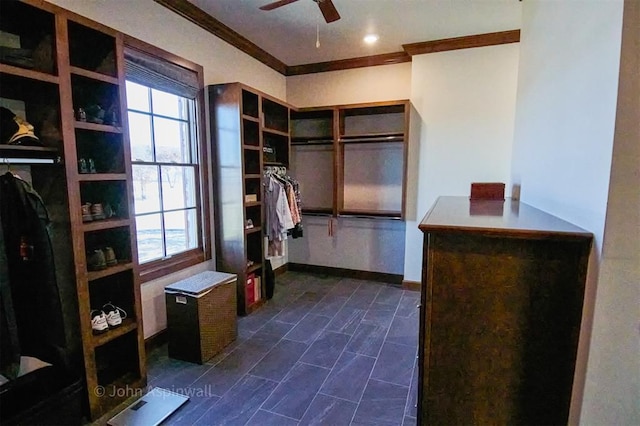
(249, 290)
(487, 191)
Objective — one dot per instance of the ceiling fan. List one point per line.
(326, 7)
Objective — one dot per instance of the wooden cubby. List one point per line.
(350, 160)
(70, 62)
(243, 122)
(97, 81)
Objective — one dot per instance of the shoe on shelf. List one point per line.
(96, 260)
(110, 256)
(97, 212)
(98, 321)
(86, 212)
(114, 314)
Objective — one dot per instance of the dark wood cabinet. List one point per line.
(350, 160)
(249, 131)
(502, 296)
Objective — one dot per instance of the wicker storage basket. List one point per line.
(201, 315)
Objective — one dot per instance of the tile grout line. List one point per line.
(289, 372)
(343, 350)
(375, 363)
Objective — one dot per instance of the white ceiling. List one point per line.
(289, 32)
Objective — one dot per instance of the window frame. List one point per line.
(160, 267)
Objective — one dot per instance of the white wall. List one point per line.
(464, 104)
(565, 121)
(567, 92)
(359, 244)
(372, 84)
(612, 390)
(222, 63)
(157, 25)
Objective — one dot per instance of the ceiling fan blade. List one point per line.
(276, 4)
(328, 10)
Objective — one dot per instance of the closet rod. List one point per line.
(365, 216)
(9, 161)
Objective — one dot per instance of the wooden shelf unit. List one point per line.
(243, 121)
(82, 65)
(337, 145)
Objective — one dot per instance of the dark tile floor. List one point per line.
(323, 351)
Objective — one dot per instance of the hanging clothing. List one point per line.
(31, 308)
(283, 213)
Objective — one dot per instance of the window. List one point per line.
(165, 155)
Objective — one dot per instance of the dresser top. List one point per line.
(497, 217)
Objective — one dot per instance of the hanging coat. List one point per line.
(30, 274)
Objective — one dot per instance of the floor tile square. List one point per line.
(296, 392)
(327, 410)
(326, 350)
(349, 377)
(382, 403)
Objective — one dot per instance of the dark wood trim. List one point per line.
(465, 42)
(217, 28)
(204, 214)
(281, 269)
(346, 273)
(411, 285)
(345, 64)
(150, 49)
(157, 340)
(153, 270)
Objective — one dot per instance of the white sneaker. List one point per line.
(98, 322)
(114, 315)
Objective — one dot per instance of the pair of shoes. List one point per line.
(110, 316)
(96, 211)
(86, 166)
(100, 259)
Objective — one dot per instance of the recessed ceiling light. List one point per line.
(370, 38)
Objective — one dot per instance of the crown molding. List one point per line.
(199, 17)
(345, 64)
(465, 42)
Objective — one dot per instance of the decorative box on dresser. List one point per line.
(501, 306)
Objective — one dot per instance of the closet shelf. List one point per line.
(318, 212)
(94, 75)
(112, 270)
(276, 132)
(128, 325)
(27, 73)
(97, 177)
(16, 154)
(85, 125)
(252, 230)
(254, 267)
(253, 203)
(250, 118)
(372, 138)
(311, 141)
(252, 147)
(99, 225)
(252, 176)
(371, 214)
(274, 163)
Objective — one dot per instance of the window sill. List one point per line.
(160, 268)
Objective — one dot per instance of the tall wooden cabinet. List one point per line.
(350, 160)
(502, 295)
(72, 79)
(249, 131)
